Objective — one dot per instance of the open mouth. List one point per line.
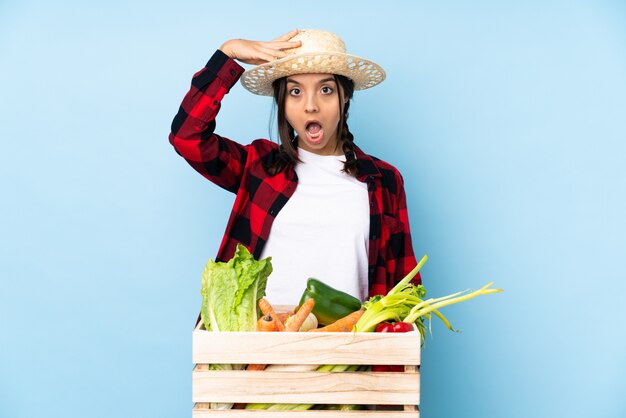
(314, 131)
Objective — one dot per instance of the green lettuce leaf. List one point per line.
(231, 291)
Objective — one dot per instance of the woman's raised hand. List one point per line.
(259, 52)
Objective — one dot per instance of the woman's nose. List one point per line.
(311, 104)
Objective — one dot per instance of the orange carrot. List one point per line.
(256, 367)
(266, 323)
(295, 321)
(344, 324)
(267, 309)
(283, 316)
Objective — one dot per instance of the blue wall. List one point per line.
(507, 120)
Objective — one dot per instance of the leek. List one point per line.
(405, 303)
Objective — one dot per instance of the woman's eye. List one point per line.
(327, 90)
(294, 91)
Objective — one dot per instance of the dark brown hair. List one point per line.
(288, 141)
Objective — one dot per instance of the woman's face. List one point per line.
(312, 109)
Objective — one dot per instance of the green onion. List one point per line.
(405, 303)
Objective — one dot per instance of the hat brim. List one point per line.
(363, 72)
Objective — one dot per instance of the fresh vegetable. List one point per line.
(292, 367)
(267, 309)
(295, 321)
(270, 323)
(392, 307)
(405, 302)
(402, 309)
(344, 324)
(266, 324)
(283, 316)
(231, 291)
(309, 323)
(256, 367)
(424, 308)
(279, 406)
(392, 327)
(344, 407)
(330, 304)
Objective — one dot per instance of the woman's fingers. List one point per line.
(267, 52)
(258, 52)
(283, 42)
(282, 45)
(260, 55)
(264, 57)
(288, 35)
(276, 53)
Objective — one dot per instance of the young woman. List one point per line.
(316, 203)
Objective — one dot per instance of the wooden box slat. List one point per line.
(306, 348)
(306, 387)
(399, 389)
(303, 414)
(242, 413)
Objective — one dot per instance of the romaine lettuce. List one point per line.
(231, 291)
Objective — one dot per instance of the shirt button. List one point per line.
(374, 236)
(233, 72)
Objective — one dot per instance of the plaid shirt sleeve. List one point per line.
(406, 259)
(217, 158)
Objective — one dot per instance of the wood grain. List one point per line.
(306, 387)
(306, 348)
(398, 390)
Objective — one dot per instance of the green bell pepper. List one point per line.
(330, 304)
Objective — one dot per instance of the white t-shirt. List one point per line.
(321, 232)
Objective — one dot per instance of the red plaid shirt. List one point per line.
(240, 169)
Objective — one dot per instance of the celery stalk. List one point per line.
(408, 277)
(404, 303)
(412, 317)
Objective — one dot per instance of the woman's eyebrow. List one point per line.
(291, 80)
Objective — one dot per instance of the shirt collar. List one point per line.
(366, 167)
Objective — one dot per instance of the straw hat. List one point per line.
(320, 52)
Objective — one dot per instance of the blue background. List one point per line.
(507, 120)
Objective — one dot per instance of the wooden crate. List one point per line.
(400, 391)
